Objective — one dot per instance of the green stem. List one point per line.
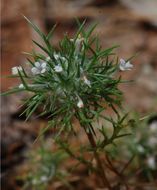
(97, 158)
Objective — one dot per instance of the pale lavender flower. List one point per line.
(151, 162)
(16, 69)
(39, 68)
(140, 149)
(123, 65)
(21, 86)
(43, 178)
(153, 126)
(58, 68)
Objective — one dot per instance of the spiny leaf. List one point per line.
(107, 51)
(12, 91)
(80, 30)
(23, 81)
(41, 47)
(34, 27)
(91, 29)
(51, 32)
(80, 26)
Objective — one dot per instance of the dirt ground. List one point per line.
(130, 24)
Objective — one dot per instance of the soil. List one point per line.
(119, 22)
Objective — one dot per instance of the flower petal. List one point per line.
(128, 65)
(35, 70)
(123, 65)
(122, 61)
(14, 70)
(43, 65)
(21, 86)
(37, 64)
(43, 70)
(58, 68)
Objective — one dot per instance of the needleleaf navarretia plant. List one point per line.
(79, 80)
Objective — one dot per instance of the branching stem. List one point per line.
(97, 158)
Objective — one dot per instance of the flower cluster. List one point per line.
(42, 67)
(39, 68)
(15, 70)
(76, 77)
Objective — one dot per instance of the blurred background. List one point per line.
(132, 24)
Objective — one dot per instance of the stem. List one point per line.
(99, 164)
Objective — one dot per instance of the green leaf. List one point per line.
(41, 47)
(33, 106)
(91, 29)
(107, 51)
(15, 90)
(51, 32)
(80, 26)
(34, 27)
(123, 135)
(80, 30)
(23, 81)
(44, 130)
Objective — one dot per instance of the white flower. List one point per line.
(39, 68)
(140, 149)
(58, 68)
(86, 81)
(151, 162)
(58, 56)
(123, 65)
(16, 69)
(153, 126)
(21, 86)
(48, 58)
(43, 178)
(80, 103)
